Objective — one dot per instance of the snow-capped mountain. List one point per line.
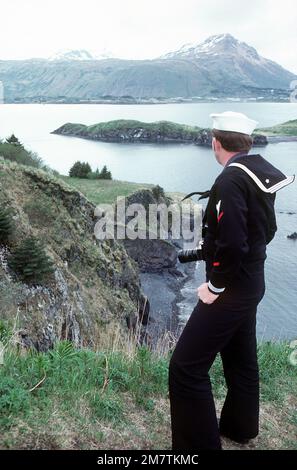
(215, 46)
(231, 63)
(219, 67)
(79, 54)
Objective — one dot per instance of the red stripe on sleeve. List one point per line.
(220, 216)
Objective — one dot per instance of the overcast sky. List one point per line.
(145, 28)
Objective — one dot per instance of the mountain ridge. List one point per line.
(219, 67)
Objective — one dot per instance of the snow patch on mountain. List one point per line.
(79, 54)
(224, 44)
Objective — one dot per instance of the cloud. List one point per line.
(141, 29)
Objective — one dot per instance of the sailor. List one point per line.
(239, 221)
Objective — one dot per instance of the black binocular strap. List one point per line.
(204, 194)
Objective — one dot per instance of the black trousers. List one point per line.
(227, 326)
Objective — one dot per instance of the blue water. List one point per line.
(180, 167)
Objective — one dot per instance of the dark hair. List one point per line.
(233, 141)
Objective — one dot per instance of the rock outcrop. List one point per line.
(153, 255)
(292, 236)
(95, 283)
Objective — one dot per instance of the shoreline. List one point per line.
(275, 139)
(152, 102)
(271, 140)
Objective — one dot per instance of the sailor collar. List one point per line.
(266, 176)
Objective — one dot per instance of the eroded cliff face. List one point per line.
(95, 283)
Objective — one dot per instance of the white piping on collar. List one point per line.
(272, 189)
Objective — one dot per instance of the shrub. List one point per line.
(158, 192)
(31, 262)
(13, 399)
(6, 224)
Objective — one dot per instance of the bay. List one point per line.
(176, 167)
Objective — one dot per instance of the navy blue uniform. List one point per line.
(239, 222)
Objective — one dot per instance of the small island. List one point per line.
(124, 130)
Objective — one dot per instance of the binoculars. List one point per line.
(186, 256)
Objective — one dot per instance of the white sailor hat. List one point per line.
(233, 122)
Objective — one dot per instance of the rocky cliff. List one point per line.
(94, 285)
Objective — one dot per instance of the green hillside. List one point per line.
(103, 191)
(288, 128)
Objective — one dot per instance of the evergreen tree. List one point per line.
(14, 140)
(96, 174)
(80, 170)
(6, 224)
(75, 170)
(105, 174)
(31, 262)
(85, 170)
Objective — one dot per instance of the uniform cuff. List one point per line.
(215, 290)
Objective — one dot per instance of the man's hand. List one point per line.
(205, 295)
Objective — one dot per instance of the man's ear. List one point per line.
(216, 145)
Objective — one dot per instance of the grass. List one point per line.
(125, 125)
(116, 397)
(288, 128)
(104, 191)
